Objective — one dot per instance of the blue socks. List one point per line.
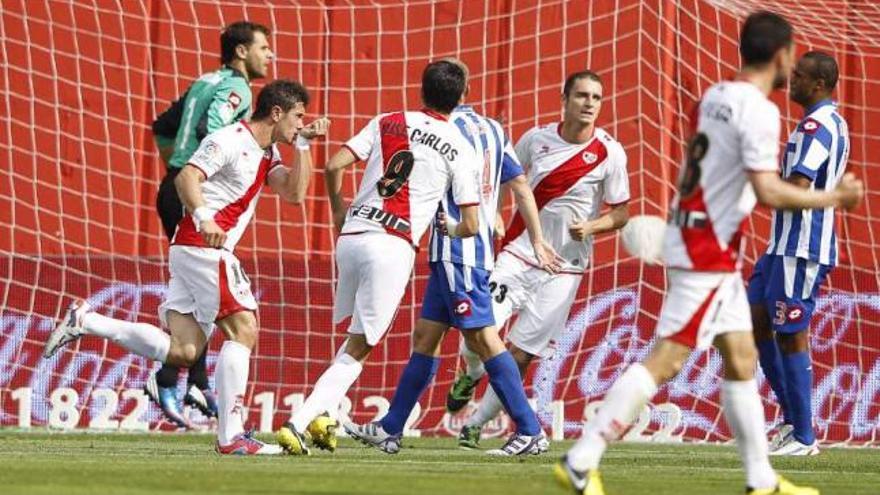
(506, 381)
(415, 379)
(771, 363)
(799, 385)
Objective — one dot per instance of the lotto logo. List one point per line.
(794, 314)
(463, 308)
(810, 126)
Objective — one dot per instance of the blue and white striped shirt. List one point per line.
(499, 166)
(817, 149)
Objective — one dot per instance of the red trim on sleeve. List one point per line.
(468, 204)
(613, 205)
(353, 152)
(200, 169)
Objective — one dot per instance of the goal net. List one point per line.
(81, 81)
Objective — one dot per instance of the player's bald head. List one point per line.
(821, 67)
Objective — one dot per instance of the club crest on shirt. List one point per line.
(234, 100)
(589, 157)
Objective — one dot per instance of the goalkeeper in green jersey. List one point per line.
(213, 101)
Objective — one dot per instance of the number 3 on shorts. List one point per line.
(499, 291)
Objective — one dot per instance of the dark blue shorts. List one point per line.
(451, 298)
(787, 287)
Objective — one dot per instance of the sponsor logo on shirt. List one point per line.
(810, 126)
(234, 100)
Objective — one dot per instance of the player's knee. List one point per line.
(241, 328)
(741, 366)
(486, 342)
(357, 347)
(183, 356)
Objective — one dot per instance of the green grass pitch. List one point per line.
(89, 463)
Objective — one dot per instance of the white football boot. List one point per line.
(68, 329)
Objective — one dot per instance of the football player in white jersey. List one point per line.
(219, 187)
(458, 293)
(801, 252)
(413, 160)
(574, 169)
(731, 158)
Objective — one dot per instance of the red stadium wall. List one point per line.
(82, 80)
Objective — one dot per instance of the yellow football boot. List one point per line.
(581, 483)
(291, 440)
(322, 431)
(783, 487)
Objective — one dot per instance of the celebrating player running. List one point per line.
(732, 156)
(219, 187)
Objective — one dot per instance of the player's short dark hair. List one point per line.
(763, 34)
(572, 79)
(238, 33)
(283, 93)
(443, 83)
(824, 68)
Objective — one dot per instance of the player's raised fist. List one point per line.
(851, 190)
(316, 128)
(213, 235)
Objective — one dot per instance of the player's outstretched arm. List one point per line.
(779, 194)
(526, 206)
(188, 183)
(609, 222)
(333, 173)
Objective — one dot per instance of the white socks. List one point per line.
(622, 403)
(231, 377)
(142, 339)
(490, 406)
(745, 416)
(329, 391)
(474, 368)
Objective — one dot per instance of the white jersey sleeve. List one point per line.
(523, 148)
(210, 157)
(465, 172)
(759, 128)
(276, 164)
(616, 182)
(362, 143)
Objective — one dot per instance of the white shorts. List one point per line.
(207, 283)
(699, 306)
(374, 269)
(541, 300)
